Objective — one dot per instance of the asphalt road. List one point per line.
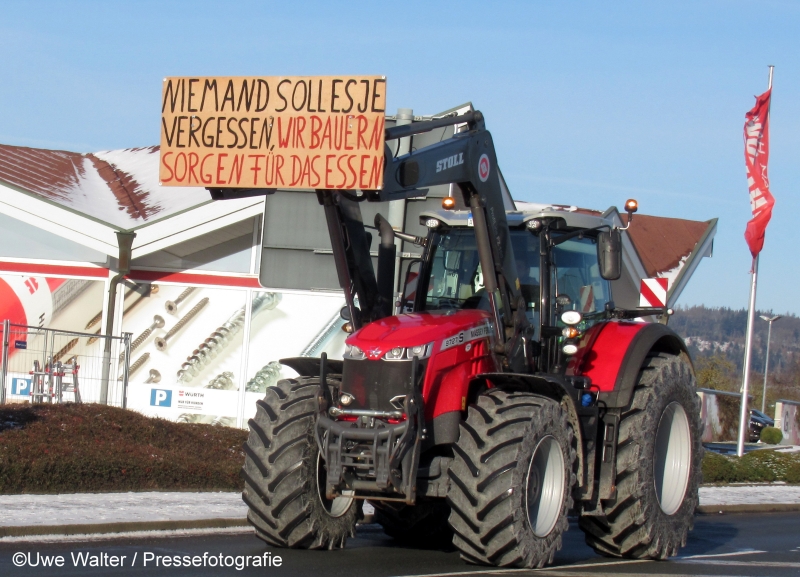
(764, 545)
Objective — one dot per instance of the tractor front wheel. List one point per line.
(511, 480)
(284, 473)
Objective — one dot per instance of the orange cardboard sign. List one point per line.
(273, 132)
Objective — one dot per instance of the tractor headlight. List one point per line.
(433, 223)
(534, 224)
(571, 317)
(395, 354)
(353, 352)
(570, 349)
(400, 353)
(418, 351)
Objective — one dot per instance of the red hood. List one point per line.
(408, 330)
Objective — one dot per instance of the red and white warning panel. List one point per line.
(653, 292)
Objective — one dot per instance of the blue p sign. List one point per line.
(20, 386)
(160, 398)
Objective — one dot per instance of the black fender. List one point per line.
(310, 366)
(653, 337)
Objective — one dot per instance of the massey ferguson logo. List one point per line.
(450, 162)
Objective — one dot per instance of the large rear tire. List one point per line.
(285, 476)
(423, 524)
(658, 467)
(511, 480)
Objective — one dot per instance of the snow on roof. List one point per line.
(118, 187)
(664, 243)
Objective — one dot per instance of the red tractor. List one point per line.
(508, 392)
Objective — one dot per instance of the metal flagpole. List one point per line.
(744, 415)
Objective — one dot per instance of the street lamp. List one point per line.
(770, 320)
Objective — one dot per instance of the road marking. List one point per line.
(551, 568)
(745, 552)
(556, 573)
(744, 563)
(563, 570)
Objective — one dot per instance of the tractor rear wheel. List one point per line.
(511, 480)
(658, 467)
(423, 524)
(284, 473)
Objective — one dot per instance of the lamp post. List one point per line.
(770, 320)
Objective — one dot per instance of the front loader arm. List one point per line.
(468, 159)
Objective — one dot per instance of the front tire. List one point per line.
(284, 473)
(511, 480)
(659, 459)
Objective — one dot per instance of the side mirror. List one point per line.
(609, 254)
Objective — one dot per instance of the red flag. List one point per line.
(756, 156)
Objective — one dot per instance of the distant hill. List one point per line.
(715, 337)
(720, 331)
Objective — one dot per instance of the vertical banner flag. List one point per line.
(756, 156)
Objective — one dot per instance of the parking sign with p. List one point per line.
(160, 398)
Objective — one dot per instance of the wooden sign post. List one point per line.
(273, 132)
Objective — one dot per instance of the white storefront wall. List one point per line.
(225, 284)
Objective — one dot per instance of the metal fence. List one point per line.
(50, 366)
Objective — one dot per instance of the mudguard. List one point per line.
(310, 366)
(612, 352)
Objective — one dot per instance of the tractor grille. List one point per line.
(375, 383)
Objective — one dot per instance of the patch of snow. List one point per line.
(94, 508)
(92, 196)
(539, 207)
(141, 164)
(88, 508)
(161, 534)
(750, 495)
(673, 273)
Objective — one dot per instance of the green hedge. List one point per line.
(86, 448)
(762, 466)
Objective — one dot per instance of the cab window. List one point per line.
(577, 274)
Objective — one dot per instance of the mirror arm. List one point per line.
(417, 240)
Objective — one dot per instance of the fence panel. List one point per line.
(44, 365)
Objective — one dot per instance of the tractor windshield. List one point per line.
(456, 280)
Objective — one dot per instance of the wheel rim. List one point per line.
(339, 505)
(672, 458)
(544, 493)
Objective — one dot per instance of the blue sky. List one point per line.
(589, 102)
